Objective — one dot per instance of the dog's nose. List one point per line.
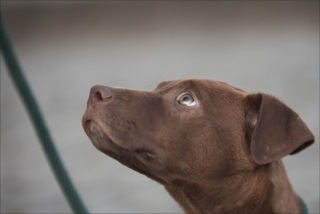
(99, 93)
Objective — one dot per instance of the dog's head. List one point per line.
(192, 129)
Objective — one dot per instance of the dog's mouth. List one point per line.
(140, 159)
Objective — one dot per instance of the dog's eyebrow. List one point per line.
(162, 84)
(235, 88)
(166, 86)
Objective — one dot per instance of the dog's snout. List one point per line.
(100, 93)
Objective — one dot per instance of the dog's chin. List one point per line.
(138, 159)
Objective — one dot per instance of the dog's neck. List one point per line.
(284, 199)
(248, 192)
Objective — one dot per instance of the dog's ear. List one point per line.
(273, 129)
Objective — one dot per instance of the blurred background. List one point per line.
(65, 47)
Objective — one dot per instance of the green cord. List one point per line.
(304, 207)
(39, 124)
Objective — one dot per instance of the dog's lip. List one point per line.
(114, 150)
(95, 132)
(92, 128)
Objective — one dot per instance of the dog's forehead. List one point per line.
(198, 84)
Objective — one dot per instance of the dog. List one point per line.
(214, 147)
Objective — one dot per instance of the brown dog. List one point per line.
(215, 148)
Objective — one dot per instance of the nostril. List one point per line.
(100, 93)
(97, 96)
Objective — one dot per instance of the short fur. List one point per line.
(221, 155)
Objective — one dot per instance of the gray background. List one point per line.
(66, 47)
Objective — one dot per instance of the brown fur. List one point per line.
(221, 155)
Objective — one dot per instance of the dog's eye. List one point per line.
(186, 99)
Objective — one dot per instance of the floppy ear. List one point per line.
(273, 129)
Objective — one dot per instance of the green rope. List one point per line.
(304, 207)
(41, 129)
